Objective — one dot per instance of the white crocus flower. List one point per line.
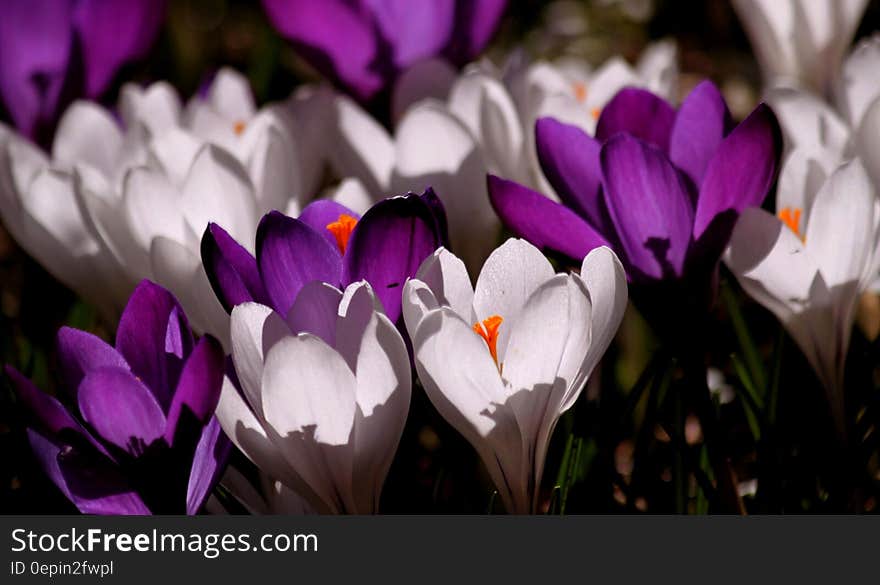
(501, 362)
(809, 264)
(324, 396)
(800, 43)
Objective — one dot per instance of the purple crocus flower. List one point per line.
(329, 243)
(662, 187)
(53, 51)
(361, 45)
(143, 438)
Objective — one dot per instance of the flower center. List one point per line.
(341, 230)
(792, 218)
(595, 113)
(580, 91)
(488, 330)
(239, 127)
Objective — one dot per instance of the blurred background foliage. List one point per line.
(612, 454)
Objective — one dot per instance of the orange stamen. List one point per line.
(239, 127)
(792, 218)
(595, 113)
(580, 91)
(341, 230)
(488, 330)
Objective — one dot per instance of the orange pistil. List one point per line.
(580, 91)
(239, 127)
(792, 218)
(341, 230)
(595, 113)
(488, 330)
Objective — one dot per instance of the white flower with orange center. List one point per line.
(810, 262)
(502, 361)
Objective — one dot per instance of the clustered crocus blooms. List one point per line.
(661, 187)
(809, 264)
(324, 394)
(54, 51)
(329, 243)
(363, 46)
(144, 411)
(502, 361)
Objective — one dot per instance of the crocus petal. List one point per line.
(570, 159)
(413, 31)
(254, 329)
(857, 90)
(291, 254)
(197, 392)
(231, 269)
(121, 410)
(742, 170)
(426, 79)
(319, 214)
(338, 40)
(640, 113)
(388, 245)
(701, 123)
(230, 95)
(545, 223)
(475, 23)
(87, 133)
(309, 402)
(649, 203)
(156, 106)
(209, 462)
(867, 141)
(271, 158)
(362, 147)
(314, 311)
(447, 278)
(80, 352)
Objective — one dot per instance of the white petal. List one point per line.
(445, 274)
(217, 189)
(268, 152)
(156, 106)
(363, 148)
(152, 208)
(807, 121)
(417, 300)
(254, 329)
(858, 88)
(309, 401)
(310, 112)
(428, 78)
(803, 174)
(510, 275)
(315, 311)
(867, 141)
(87, 133)
(173, 152)
(230, 95)
(434, 149)
(352, 193)
(356, 309)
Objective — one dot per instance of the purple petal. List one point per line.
(413, 30)
(543, 222)
(121, 410)
(290, 254)
(475, 23)
(231, 269)
(198, 390)
(209, 462)
(389, 244)
(702, 122)
(113, 33)
(640, 113)
(319, 214)
(439, 212)
(742, 170)
(51, 415)
(35, 41)
(315, 311)
(649, 203)
(80, 352)
(570, 160)
(143, 336)
(336, 39)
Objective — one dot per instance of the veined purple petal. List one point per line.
(36, 38)
(231, 269)
(93, 484)
(439, 212)
(336, 39)
(570, 160)
(80, 352)
(319, 214)
(475, 23)
(389, 244)
(545, 223)
(640, 113)
(197, 392)
(742, 170)
(142, 337)
(121, 410)
(113, 33)
(702, 122)
(209, 462)
(650, 206)
(290, 254)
